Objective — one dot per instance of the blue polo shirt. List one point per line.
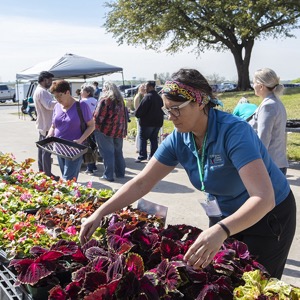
(231, 143)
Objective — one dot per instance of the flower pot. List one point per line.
(39, 293)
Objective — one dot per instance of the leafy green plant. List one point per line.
(143, 262)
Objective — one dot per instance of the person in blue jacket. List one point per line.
(248, 197)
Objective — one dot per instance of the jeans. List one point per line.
(112, 153)
(148, 133)
(137, 138)
(69, 168)
(92, 166)
(31, 110)
(44, 159)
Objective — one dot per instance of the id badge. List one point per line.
(211, 206)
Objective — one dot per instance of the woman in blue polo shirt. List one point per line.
(248, 197)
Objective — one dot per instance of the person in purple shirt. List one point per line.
(66, 125)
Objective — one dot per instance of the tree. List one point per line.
(215, 78)
(163, 77)
(220, 25)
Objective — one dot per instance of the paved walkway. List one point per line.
(18, 136)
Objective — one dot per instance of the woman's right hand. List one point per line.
(88, 227)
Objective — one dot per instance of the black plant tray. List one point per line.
(62, 148)
(3, 258)
(8, 290)
(293, 123)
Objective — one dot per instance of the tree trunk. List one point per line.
(242, 64)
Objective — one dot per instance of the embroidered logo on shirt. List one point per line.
(215, 161)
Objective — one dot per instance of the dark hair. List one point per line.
(151, 83)
(44, 75)
(95, 83)
(89, 89)
(195, 79)
(60, 86)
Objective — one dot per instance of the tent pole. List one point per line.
(17, 93)
(123, 77)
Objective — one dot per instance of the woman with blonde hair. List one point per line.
(269, 120)
(111, 127)
(136, 102)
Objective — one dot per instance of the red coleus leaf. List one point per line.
(128, 287)
(148, 289)
(89, 244)
(78, 256)
(33, 270)
(100, 263)
(119, 237)
(209, 292)
(225, 286)
(115, 269)
(167, 275)
(93, 280)
(224, 261)
(197, 276)
(145, 240)
(57, 293)
(99, 294)
(94, 252)
(169, 248)
(37, 250)
(73, 290)
(66, 247)
(79, 275)
(134, 263)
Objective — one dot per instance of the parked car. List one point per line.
(124, 87)
(7, 93)
(227, 87)
(132, 91)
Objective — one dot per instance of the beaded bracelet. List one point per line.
(225, 228)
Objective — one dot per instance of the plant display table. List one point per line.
(132, 255)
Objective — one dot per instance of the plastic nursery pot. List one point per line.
(39, 293)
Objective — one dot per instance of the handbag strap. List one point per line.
(82, 123)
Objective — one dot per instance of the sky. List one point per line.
(34, 31)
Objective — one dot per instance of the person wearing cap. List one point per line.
(269, 120)
(151, 119)
(44, 104)
(247, 196)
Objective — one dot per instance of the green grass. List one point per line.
(290, 99)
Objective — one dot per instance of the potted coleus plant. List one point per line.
(143, 262)
(48, 267)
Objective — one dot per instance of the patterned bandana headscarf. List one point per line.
(189, 93)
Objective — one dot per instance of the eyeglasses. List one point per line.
(174, 110)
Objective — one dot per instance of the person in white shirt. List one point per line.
(44, 104)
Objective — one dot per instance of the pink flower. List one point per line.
(89, 184)
(71, 230)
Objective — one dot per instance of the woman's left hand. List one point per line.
(205, 247)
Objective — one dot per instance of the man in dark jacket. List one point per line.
(151, 119)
